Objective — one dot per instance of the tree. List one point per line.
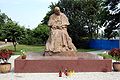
(18, 34)
(13, 32)
(37, 36)
(80, 13)
(10, 30)
(3, 20)
(112, 18)
(41, 32)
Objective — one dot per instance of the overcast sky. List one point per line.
(28, 13)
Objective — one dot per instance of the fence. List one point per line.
(104, 44)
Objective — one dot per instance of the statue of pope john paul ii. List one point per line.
(59, 41)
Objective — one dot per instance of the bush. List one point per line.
(31, 41)
(115, 53)
(5, 55)
(37, 36)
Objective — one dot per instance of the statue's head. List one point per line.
(57, 10)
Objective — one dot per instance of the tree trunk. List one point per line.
(14, 44)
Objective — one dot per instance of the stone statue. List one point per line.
(59, 40)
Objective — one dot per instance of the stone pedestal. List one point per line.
(84, 62)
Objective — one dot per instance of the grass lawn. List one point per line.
(85, 50)
(30, 48)
(27, 48)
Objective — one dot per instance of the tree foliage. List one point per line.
(13, 32)
(41, 32)
(112, 17)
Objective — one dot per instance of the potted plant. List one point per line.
(5, 66)
(23, 55)
(115, 53)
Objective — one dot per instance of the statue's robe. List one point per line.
(59, 40)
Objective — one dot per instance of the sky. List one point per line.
(28, 13)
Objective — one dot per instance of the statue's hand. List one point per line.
(64, 26)
(59, 27)
(53, 27)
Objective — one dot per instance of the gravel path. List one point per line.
(98, 52)
(54, 76)
(3, 44)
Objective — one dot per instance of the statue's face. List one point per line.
(57, 11)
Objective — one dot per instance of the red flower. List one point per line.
(5, 54)
(115, 52)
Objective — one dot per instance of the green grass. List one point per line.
(85, 50)
(30, 48)
(27, 48)
(107, 56)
